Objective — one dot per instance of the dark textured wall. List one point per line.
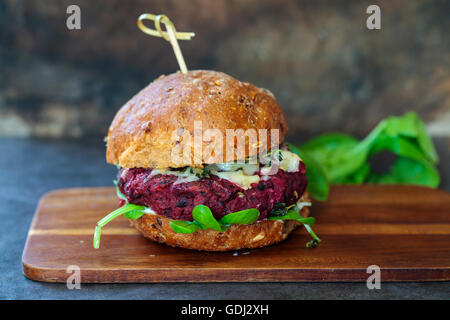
(328, 71)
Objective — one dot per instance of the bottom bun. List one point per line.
(237, 236)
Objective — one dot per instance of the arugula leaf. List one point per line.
(181, 226)
(203, 215)
(241, 217)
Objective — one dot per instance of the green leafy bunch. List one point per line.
(336, 158)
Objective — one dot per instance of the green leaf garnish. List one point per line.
(280, 156)
(311, 232)
(279, 209)
(293, 214)
(116, 213)
(338, 158)
(318, 185)
(181, 226)
(408, 171)
(203, 215)
(247, 216)
(202, 172)
(411, 126)
(133, 215)
(312, 244)
(119, 194)
(204, 219)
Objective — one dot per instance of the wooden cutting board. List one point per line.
(404, 230)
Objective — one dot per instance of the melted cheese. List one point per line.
(183, 176)
(238, 177)
(242, 174)
(290, 161)
(247, 168)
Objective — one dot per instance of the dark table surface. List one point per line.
(30, 168)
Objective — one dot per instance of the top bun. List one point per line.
(148, 127)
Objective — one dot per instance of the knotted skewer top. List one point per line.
(170, 34)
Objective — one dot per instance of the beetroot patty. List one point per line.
(176, 201)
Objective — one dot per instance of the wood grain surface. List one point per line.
(404, 230)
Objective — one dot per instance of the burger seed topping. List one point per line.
(259, 237)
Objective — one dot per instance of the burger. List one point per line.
(202, 165)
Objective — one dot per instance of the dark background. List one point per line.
(328, 71)
(60, 89)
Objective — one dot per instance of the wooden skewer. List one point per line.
(170, 35)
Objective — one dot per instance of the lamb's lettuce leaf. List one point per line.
(247, 216)
(282, 212)
(181, 226)
(126, 209)
(203, 215)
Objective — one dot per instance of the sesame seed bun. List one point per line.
(155, 121)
